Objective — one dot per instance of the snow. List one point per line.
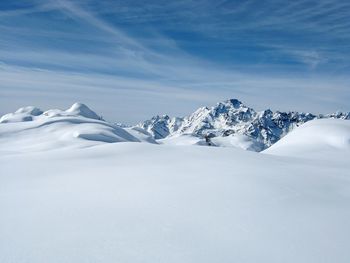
(77, 109)
(69, 195)
(318, 137)
(29, 129)
(239, 141)
(259, 130)
(22, 114)
(141, 134)
(184, 139)
(82, 110)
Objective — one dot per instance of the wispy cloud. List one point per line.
(131, 100)
(78, 13)
(34, 8)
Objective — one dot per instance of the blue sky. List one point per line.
(130, 60)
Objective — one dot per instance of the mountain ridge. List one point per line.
(231, 118)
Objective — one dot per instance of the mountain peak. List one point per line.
(231, 103)
(236, 103)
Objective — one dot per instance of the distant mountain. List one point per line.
(231, 118)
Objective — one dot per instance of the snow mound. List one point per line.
(314, 137)
(82, 110)
(77, 109)
(30, 113)
(30, 129)
(22, 114)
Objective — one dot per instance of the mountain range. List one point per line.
(232, 118)
(229, 124)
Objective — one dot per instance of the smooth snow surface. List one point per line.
(239, 141)
(92, 201)
(185, 139)
(316, 138)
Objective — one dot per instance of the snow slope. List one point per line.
(143, 202)
(184, 139)
(317, 137)
(129, 202)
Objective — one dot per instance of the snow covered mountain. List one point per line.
(31, 129)
(234, 120)
(227, 124)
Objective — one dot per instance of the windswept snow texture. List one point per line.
(30, 129)
(84, 199)
(245, 127)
